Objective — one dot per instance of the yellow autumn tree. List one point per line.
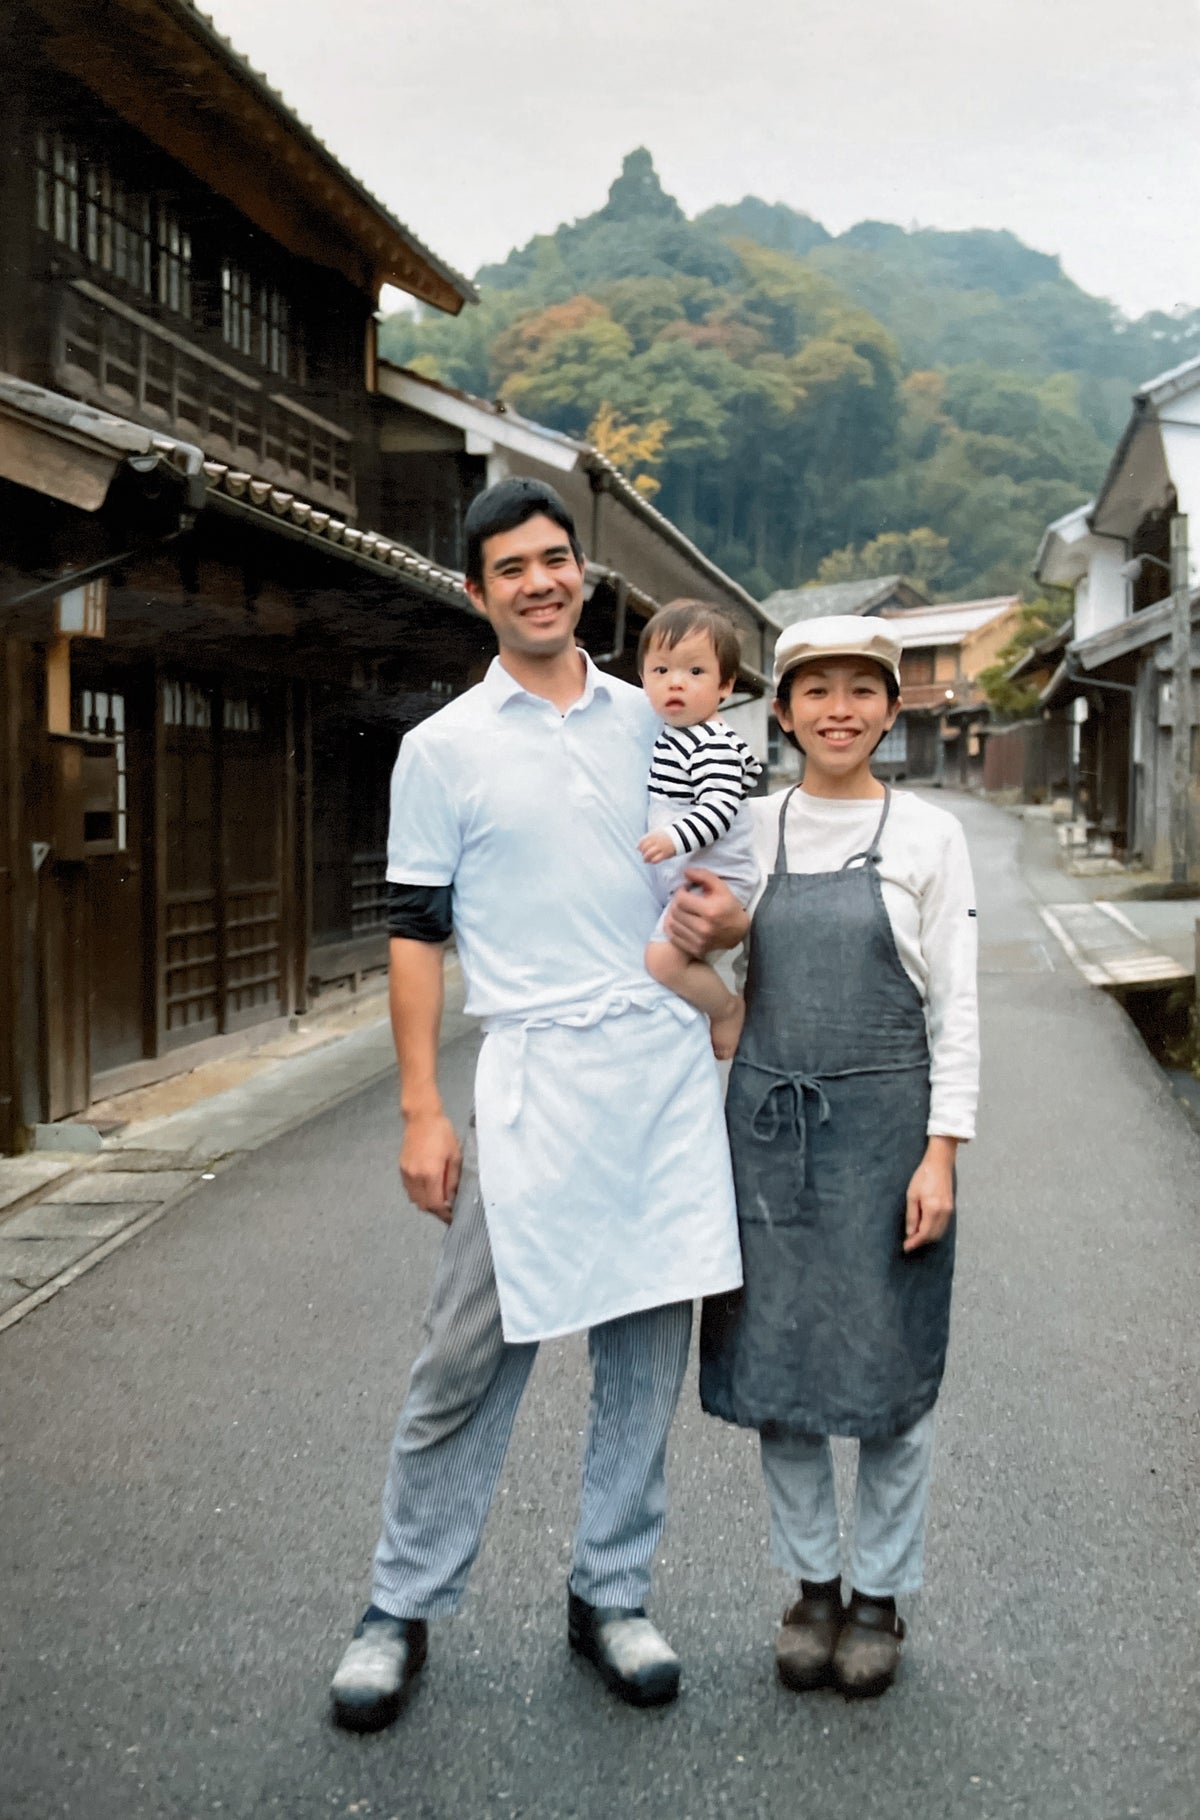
(630, 446)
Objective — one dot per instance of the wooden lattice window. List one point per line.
(174, 261)
(83, 202)
(256, 320)
(58, 188)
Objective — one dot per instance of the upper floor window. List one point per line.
(257, 321)
(916, 667)
(118, 235)
(58, 188)
(120, 230)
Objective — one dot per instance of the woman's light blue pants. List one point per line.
(887, 1548)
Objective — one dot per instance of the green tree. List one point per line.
(824, 394)
(1014, 700)
(920, 556)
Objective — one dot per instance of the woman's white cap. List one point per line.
(837, 635)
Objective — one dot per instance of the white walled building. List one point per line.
(1115, 678)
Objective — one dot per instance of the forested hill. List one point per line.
(804, 404)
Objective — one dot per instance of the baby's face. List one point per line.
(683, 681)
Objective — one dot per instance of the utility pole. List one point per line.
(1181, 692)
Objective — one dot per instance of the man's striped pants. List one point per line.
(455, 1426)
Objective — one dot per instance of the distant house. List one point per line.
(938, 736)
(1112, 684)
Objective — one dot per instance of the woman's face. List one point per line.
(838, 710)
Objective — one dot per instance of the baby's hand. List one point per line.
(656, 846)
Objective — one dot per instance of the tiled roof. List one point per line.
(263, 499)
(275, 504)
(788, 605)
(948, 624)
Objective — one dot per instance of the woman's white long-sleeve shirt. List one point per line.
(929, 895)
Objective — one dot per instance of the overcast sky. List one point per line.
(1076, 123)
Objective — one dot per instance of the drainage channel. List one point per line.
(1144, 968)
(1166, 1019)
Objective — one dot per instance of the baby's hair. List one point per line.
(681, 617)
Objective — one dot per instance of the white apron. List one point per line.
(603, 1162)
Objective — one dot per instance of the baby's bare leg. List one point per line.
(701, 986)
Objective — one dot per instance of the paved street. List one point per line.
(194, 1436)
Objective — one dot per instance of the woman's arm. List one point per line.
(949, 948)
(948, 935)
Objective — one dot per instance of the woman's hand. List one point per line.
(930, 1206)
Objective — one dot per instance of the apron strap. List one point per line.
(781, 864)
(870, 855)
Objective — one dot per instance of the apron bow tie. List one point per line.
(784, 1099)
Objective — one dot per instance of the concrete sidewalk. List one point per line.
(1116, 938)
(63, 1212)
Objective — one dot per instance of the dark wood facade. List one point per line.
(192, 829)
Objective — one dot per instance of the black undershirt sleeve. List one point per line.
(419, 913)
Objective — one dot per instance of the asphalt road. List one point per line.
(193, 1436)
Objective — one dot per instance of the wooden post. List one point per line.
(11, 878)
(1181, 690)
(290, 938)
(303, 874)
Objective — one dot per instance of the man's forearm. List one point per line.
(415, 994)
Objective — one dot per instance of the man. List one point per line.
(606, 1199)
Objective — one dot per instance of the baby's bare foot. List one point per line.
(727, 1030)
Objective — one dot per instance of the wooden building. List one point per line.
(229, 553)
(1116, 679)
(205, 658)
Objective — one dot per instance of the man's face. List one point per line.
(532, 591)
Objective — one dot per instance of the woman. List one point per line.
(855, 1081)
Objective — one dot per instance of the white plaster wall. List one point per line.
(750, 723)
(1102, 595)
(1180, 426)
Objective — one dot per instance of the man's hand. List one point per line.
(656, 846)
(706, 917)
(431, 1163)
(930, 1206)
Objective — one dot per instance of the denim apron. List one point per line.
(837, 1331)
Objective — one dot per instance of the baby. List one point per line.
(699, 772)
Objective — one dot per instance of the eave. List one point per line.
(164, 69)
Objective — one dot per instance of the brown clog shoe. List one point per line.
(807, 1637)
(867, 1652)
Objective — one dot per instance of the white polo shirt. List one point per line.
(534, 817)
